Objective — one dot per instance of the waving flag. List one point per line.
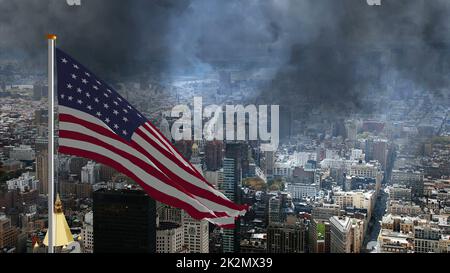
(96, 122)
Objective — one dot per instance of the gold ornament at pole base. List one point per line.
(63, 236)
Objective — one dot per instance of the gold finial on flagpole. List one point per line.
(51, 36)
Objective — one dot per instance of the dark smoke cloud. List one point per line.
(113, 36)
(359, 50)
(335, 53)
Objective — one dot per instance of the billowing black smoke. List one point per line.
(114, 37)
(333, 53)
(358, 51)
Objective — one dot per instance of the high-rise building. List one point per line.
(124, 221)
(22, 153)
(325, 212)
(357, 236)
(274, 212)
(346, 234)
(352, 130)
(357, 199)
(230, 237)
(42, 171)
(196, 234)
(400, 192)
(327, 243)
(229, 184)
(167, 213)
(40, 145)
(340, 236)
(372, 169)
(8, 234)
(75, 165)
(410, 178)
(214, 155)
(90, 173)
(319, 236)
(380, 152)
(40, 117)
(426, 239)
(288, 237)
(240, 153)
(214, 177)
(368, 149)
(39, 91)
(285, 123)
(302, 191)
(269, 163)
(169, 238)
(339, 129)
(303, 175)
(25, 182)
(87, 232)
(75, 189)
(357, 154)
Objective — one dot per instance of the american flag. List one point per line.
(96, 122)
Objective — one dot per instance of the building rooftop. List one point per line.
(167, 226)
(343, 223)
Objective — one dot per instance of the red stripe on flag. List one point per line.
(162, 197)
(161, 136)
(175, 182)
(197, 190)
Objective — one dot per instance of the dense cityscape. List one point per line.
(363, 97)
(375, 182)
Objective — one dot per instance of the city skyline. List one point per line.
(361, 127)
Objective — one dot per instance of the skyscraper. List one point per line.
(39, 91)
(214, 155)
(288, 237)
(196, 234)
(40, 117)
(380, 152)
(368, 150)
(426, 239)
(319, 236)
(240, 153)
(352, 130)
(167, 213)
(230, 239)
(169, 238)
(274, 213)
(340, 239)
(285, 123)
(75, 165)
(124, 221)
(229, 179)
(42, 171)
(87, 233)
(269, 162)
(8, 234)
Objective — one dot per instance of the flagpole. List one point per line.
(51, 119)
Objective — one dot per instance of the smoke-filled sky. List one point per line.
(327, 48)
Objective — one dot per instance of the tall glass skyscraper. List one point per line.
(124, 222)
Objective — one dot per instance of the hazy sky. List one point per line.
(116, 36)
